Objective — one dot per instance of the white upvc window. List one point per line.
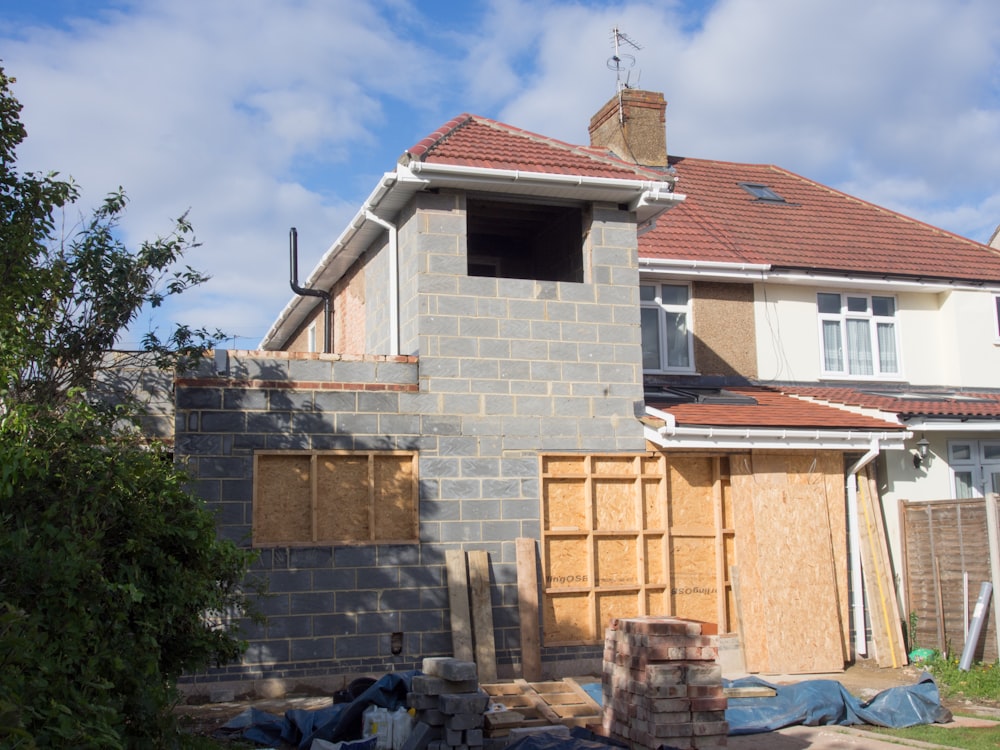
(311, 338)
(975, 467)
(996, 317)
(858, 335)
(666, 327)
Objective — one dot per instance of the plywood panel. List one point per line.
(395, 498)
(565, 507)
(614, 505)
(616, 605)
(690, 492)
(343, 497)
(623, 466)
(654, 558)
(568, 618)
(790, 602)
(565, 558)
(654, 503)
(286, 483)
(616, 561)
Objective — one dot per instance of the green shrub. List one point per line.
(112, 582)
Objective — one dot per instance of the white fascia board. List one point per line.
(716, 270)
(298, 307)
(942, 425)
(732, 438)
(648, 198)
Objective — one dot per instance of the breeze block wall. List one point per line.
(496, 373)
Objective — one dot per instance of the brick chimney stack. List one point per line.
(632, 125)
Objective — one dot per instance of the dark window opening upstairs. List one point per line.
(524, 240)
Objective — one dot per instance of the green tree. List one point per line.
(112, 580)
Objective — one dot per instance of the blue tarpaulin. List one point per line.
(822, 702)
(336, 723)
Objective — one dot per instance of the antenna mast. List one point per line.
(621, 62)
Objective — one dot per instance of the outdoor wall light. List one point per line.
(923, 454)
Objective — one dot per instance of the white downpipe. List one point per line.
(393, 279)
(854, 543)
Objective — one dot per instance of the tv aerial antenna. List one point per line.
(622, 62)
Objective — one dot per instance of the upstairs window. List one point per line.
(858, 335)
(666, 327)
(536, 241)
(996, 318)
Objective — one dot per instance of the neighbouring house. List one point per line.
(666, 373)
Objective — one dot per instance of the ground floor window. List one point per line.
(325, 497)
(975, 467)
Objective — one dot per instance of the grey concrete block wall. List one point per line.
(502, 370)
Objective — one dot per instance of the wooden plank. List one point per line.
(758, 691)
(458, 601)
(538, 702)
(482, 615)
(527, 607)
(893, 653)
(584, 696)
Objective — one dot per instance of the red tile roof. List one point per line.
(917, 403)
(473, 141)
(816, 229)
(772, 410)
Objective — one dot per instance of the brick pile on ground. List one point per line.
(449, 706)
(662, 686)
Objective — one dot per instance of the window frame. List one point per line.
(978, 466)
(873, 320)
(663, 309)
(996, 318)
(385, 492)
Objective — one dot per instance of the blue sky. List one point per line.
(259, 115)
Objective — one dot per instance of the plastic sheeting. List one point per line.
(336, 723)
(823, 702)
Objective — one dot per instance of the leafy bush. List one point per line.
(981, 681)
(117, 577)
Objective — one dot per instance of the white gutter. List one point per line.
(766, 272)
(981, 424)
(742, 438)
(647, 198)
(393, 280)
(854, 543)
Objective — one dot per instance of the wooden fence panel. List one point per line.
(952, 533)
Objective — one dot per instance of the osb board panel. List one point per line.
(304, 497)
(654, 503)
(725, 318)
(342, 497)
(956, 533)
(614, 504)
(563, 556)
(568, 618)
(791, 613)
(617, 605)
(395, 497)
(563, 506)
(690, 499)
(622, 509)
(616, 561)
(286, 516)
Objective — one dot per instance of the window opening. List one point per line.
(666, 327)
(524, 240)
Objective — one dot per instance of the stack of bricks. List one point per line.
(662, 686)
(449, 706)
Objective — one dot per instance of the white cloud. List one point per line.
(259, 115)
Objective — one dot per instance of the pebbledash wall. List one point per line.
(498, 372)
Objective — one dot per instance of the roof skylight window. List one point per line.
(762, 192)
